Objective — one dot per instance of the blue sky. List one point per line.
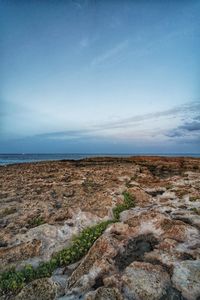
(100, 76)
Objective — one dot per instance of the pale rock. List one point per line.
(186, 278)
(40, 289)
(145, 281)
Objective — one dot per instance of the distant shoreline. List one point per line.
(18, 159)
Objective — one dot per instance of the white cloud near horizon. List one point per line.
(179, 121)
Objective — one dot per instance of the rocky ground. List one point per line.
(152, 253)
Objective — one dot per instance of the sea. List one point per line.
(7, 159)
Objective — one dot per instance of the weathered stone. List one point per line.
(104, 293)
(186, 278)
(40, 289)
(134, 250)
(145, 281)
(136, 256)
(141, 197)
(94, 265)
(21, 251)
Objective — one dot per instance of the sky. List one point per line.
(86, 76)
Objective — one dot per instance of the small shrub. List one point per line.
(89, 185)
(128, 203)
(195, 210)
(36, 222)
(181, 193)
(194, 198)
(169, 186)
(117, 211)
(128, 200)
(11, 281)
(28, 273)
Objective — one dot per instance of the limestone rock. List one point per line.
(104, 293)
(21, 251)
(43, 205)
(145, 281)
(97, 262)
(141, 197)
(40, 289)
(186, 278)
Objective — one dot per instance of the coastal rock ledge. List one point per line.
(150, 251)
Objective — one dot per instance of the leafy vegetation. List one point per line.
(128, 203)
(89, 185)
(169, 186)
(36, 222)
(194, 198)
(181, 193)
(13, 280)
(196, 210)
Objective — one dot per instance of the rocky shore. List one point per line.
(151, 251)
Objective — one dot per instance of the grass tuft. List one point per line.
(128, 203)
(36, 222)
(195, 210)
(194, 198)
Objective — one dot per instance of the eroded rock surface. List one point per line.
(145, 281)
(152, 253)
(40, 289)
(186, 277)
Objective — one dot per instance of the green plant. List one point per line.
(194, 198)
(28, 273)
(128, 200)
(128, 203)
(195, 210)
(90, 185)
(36, 222)
(13, 280)
(169, 186)
(181, 193)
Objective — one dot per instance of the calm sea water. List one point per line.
(6, 159)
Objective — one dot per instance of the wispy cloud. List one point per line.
(139, 127)
(184, 110)
(110, 54)
(142, 132)
(64, 135)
